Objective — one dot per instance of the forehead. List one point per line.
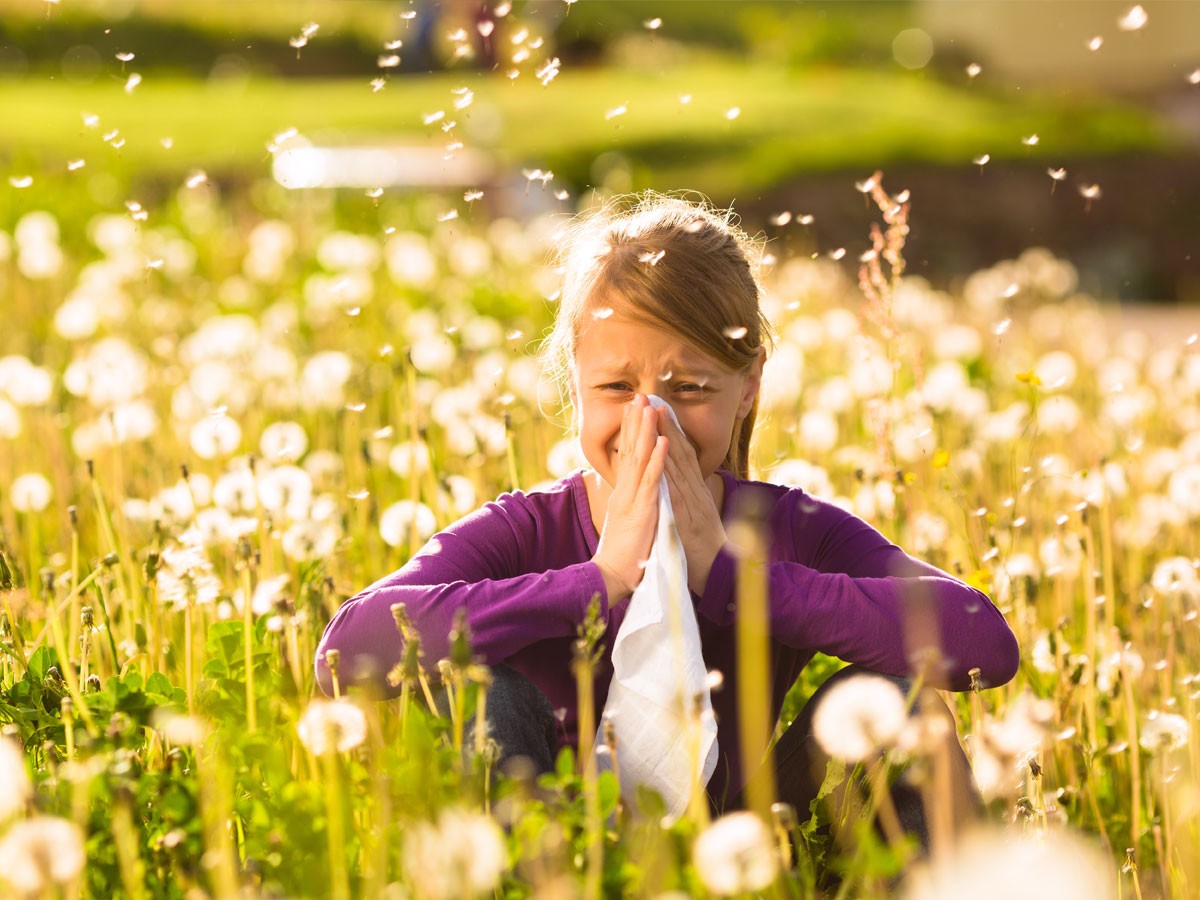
(613, 343)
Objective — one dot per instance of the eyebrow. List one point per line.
(677, 372)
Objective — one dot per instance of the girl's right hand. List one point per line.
(632, 513)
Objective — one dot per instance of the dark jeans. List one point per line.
(522, 723)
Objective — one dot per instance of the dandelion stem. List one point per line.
(248, 649)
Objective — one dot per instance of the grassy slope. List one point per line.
(790, 121)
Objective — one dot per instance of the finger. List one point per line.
(655, 466)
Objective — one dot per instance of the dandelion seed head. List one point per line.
(858, 717)
(125, 56)
(331, 726)
(38, 852)
(736, 854)
(1057, 174)
(982, 159)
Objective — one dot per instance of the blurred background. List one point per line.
(1073, 126)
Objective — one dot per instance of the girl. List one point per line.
(660, 297)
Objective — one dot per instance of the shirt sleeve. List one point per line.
(479, 564)
(849, 592)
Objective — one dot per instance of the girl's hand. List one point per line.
(697, 518)
(632, 513)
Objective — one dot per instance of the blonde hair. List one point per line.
(674, 264)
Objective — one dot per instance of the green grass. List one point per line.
(790, 122)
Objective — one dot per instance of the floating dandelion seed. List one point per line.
(377, 85)
(685, 99)
(502, 9)
(1031, 141)
(125, 56)
(196, 179)
(838, 253)
(1089, 192)
(865, 187)
(973, 70)
(375, 193)
(465, 97)
(359, 495)
(388, 60)
(1011, 291)
(329, 726)
(982, 160)
(1191, 339)
(485, 28)
(548, 72)
(393, 45)
(297, 43)
(515, 335)
(90, 120)
(408, 15)
(1057, 174)
(75, 165)
(430, 118)
(132, 81)
(615, 111)
(110, 135)
(520, 56)
(602, 312)
(448, 125)
(452, 148)
(457, 36)
(736, 332)
(472, 196)
(154, 264)
(805, 219)
(520, 37)
(652, 24)
(449, 216)
(562, 195)
(733, 112)
(21, 181)
(1134, 20)
(309, 29)
(1095, 43)
(166, 142)
(651, 257)
(1002, 327)
(1194, 77)
(781, 219)
(532, 175)
(281, 138)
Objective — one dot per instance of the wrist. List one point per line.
(614, 586)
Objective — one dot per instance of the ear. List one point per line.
(752, 384)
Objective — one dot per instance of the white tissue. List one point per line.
(658, 675)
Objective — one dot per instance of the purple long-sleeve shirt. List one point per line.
(521, 566)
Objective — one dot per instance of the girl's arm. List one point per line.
(480, 563)
(855, 595)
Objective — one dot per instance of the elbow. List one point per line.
(1007, 659)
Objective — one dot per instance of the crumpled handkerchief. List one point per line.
(658, 674)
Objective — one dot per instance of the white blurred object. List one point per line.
(659, 700)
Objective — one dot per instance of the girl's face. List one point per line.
(617, 358)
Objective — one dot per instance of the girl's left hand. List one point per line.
(696, 515)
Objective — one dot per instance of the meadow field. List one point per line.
(226, 407)
(216, 428)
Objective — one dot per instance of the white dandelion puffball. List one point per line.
(1164, 731)
(213, 437)
(461, 855)
(858, 717)
(993, 865)
(329, 726)
(15, 787)
(736, 854)
(38, 852)
(401, 518)
(30, 492)
(1056, 370)
(283, 441)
